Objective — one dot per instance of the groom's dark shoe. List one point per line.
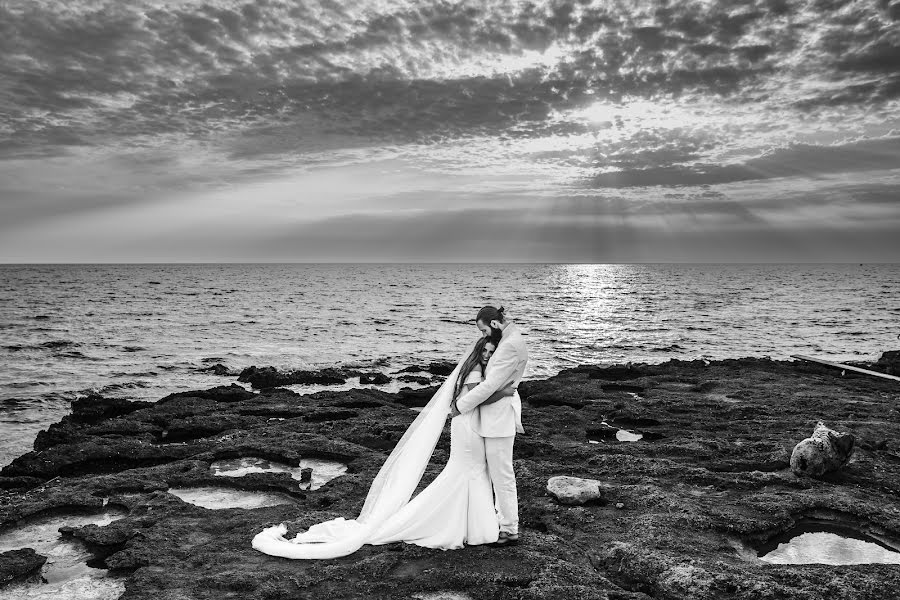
(507, 539)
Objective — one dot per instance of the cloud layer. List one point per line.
(718, 105)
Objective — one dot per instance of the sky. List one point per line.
(483, 131)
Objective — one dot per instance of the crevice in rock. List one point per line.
(330, 415)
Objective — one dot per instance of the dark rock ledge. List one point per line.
(18, 565)
(678, 512)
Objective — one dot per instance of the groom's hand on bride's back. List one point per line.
(500, 394)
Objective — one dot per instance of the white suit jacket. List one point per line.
(504, 417)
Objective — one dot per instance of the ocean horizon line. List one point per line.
(442, 263)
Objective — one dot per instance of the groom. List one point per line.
(498, 423)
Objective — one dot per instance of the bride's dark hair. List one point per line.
(471, 361)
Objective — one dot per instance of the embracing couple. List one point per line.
(473, 500)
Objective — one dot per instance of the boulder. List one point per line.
(261, 377)
(441, 368)
(823, 452)
(890, 362)
(217, 369)
(267, 377)
(574, 490)
(19, 564)
(374, 378)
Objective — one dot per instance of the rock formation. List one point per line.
(823, 452)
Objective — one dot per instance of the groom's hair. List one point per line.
(489, 313)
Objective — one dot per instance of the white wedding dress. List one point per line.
(456, 508)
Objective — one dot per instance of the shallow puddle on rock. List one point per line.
(221, 498)
(323, 471)
(623, 435)
(823, 547)
(66, 572)
(607, 432)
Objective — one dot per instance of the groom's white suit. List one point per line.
(498, 423)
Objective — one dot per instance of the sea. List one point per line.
(145, 331)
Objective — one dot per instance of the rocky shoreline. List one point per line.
(677, 514)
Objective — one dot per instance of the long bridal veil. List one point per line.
(390, 491)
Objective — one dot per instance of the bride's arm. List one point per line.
(495, 397)
(471, 383)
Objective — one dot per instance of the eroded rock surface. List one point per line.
(19, 564)
(681, 512)
(575, 490)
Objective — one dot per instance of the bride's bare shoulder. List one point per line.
(475, 375)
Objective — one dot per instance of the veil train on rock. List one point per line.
(391, 489)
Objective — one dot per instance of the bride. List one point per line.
(456, 508)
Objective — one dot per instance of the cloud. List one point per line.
(402, 68)
(130, 104)
(792, 161)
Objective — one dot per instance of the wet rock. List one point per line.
(221, 393)
(218, 369)
(94, 408)
(19, 564)
(889, 362)
(443, 368)
(416, 398)
(262, 377)
(823, 452)
(574, 490)
(414, 379)
(374, 378)
(267, 377)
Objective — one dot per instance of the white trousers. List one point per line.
(499, 453)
